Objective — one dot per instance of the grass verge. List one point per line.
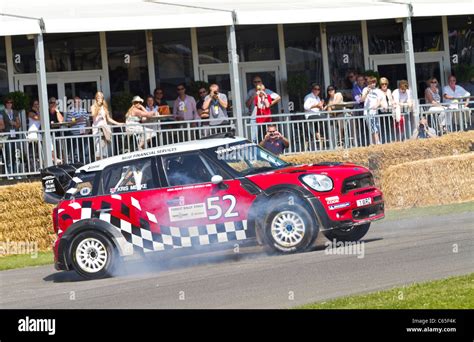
(437, 210)
(449, 293)
(24, 260)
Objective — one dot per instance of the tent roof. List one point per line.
(60, 16)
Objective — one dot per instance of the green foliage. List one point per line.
(21, 101)
(372, 73)
(463, 72)
(297, 86)
(121, 103)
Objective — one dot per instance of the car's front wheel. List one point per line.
(93, 255)
(355, 233)
(289, 228)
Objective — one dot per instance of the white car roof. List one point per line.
(162, 150)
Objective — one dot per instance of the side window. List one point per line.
(81, 186)
(187, 169)
(131, 176)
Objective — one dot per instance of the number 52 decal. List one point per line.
(216, 209)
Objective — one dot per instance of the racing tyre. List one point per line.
(93, 255)
(352, 234)
(288, 228)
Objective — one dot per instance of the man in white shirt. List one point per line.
(312, 102)
(452, 91)
(313, 106)
(372, 97)
(452, 94)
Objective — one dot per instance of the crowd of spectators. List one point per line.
(384, 114)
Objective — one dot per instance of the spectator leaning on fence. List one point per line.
(402, 103)
(10, 122)
(386, 108)
(132, 119)
(216, 105)
(274, 141)
(433, 99)
(454, 93)
(372, 97)
(100, 127)
(333, 98)
(313, 104)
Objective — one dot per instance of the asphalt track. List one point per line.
(395, 253)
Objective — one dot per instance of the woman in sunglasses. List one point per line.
(433, 98)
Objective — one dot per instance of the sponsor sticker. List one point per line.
(339, 206)
(332, 199)
(187, 212)
(49, 185)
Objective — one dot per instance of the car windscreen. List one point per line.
(81, 185)
(248, 158)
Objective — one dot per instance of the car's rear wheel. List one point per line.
(93, 255)
(355, 233)
(289, 228)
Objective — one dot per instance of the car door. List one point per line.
(193, 211)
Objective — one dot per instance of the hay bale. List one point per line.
(24, 216)
(428, 182)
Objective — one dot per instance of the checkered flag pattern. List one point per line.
(142, 238)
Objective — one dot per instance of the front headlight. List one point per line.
(318, 182)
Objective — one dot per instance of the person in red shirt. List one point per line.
(262, 102)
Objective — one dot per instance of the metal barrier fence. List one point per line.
(22, 155)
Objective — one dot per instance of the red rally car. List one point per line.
(193, 194)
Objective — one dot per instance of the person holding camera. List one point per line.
(252, 94)
(423, 131)
(216, 104)
(263, 102)
(274, 141)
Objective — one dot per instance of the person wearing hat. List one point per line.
(132, 120)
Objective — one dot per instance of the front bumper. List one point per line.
(358, 215)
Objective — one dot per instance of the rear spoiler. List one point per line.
(56, 180)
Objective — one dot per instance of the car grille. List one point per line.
(364, 180)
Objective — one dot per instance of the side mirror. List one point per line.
(217, 179)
